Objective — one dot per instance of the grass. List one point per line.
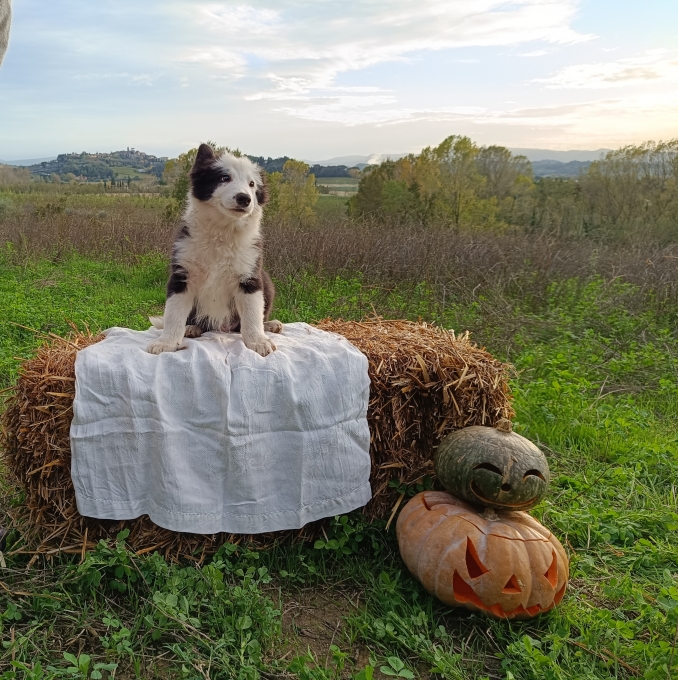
(124, 171)
(345, 181)
(329, 206)
(339, 186)
(596, 387)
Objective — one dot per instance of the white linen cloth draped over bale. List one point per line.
(215, 437)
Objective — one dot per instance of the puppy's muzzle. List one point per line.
(243, 200)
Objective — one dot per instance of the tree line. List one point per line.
(461, 185)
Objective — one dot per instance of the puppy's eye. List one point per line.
(225, 178)
(251, 184)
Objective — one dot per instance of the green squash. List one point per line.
(491, 467)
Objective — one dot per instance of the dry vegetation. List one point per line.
(455, 264)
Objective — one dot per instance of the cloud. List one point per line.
(302, 48)
(234, 21)
(654, 65)
(136, 79)
(296, 76)
(218, 58)
(598, 122)
(601, 121)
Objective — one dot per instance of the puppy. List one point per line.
(217, 282)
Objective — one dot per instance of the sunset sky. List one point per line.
(320, 79)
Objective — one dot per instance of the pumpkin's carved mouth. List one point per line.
(512, 506)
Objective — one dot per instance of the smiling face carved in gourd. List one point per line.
(504, 564)
(492, 468)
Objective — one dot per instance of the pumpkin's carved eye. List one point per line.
(490, 467)
(473, 564)
(533, 473)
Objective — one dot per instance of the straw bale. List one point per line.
(425, 382)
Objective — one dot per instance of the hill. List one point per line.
(536, 155)
(551, 168)
(129, 163)
(318, 169)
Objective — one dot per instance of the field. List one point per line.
(591, 330)
(125, 171)
(339, 186)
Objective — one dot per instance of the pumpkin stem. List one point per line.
(504, 425)
(490, 514)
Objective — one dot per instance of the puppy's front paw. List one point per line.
(261, 345)
(192, 332)
(159, 346)
(273, 326)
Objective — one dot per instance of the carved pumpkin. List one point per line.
(492, 467)
(507, 565)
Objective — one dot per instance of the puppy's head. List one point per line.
(234, 186)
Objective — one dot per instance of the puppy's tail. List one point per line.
(157, 322)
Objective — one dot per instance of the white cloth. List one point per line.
(217, 438)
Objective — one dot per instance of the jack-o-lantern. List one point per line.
(492, 467)
(506, 564)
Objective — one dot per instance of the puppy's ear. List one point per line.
(204, 156)
(262, 188)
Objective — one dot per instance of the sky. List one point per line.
(326, 78)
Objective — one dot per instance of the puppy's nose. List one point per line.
(243, 200)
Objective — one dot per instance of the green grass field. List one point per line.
(596, 386)
(339, 186)
(124, 171)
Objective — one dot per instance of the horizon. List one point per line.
(346, 159)
(316, 81)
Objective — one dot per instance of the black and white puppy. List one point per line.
(217, 282)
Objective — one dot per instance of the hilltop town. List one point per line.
(126, 164)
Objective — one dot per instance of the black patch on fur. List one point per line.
(177, 281)
(205, 155)
(178, 275)
(251, 285)
(205, 176)
(269, 295)
(262, 189)
(204, 181)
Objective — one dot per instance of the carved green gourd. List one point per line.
(492, 467)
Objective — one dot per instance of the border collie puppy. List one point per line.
(217, 282)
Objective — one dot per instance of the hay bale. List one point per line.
(425, 383)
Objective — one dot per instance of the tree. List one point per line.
(634, 187)
(508, 181)
(13, 176)
(461, 183)
(501, 170)
(293, 193)
(455, 183)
